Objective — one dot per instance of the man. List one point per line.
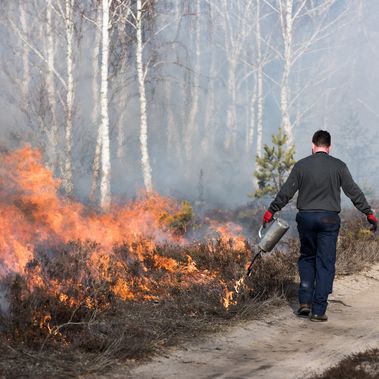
(319, 179)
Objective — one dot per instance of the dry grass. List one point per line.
(358, 247)
(100, 329)
(358, 366)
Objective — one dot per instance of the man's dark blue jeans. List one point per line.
(318, 232)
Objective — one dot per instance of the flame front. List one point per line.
(33, 215)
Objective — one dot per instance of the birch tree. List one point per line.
(259, 78)
(287, 19)
(191, 127)
(25, 58)
(145, 158)
(110, 15)
(237, 28)
(207, 141)
(298, 41)
(51, 91)
(65, 10)
(69, 96)
(172, 80)
(95, 103)
(44, 50)
(105, 185)
(261, 58)
(139, 13)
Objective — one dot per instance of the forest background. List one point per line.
(180, 96)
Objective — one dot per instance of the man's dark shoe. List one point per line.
(319, 318)
(304, 310)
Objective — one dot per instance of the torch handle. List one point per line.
(260, 232)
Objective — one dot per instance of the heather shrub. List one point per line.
(79, 299)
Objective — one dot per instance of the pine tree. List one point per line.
(274, 166)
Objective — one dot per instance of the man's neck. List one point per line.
(321, 150)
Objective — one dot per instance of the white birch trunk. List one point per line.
(121, 124)
(173, 135)
(145, 161)
(50, 84)
(287, 31)
(69, 24)
(95, 109)
(105, 188)
(42, 121)
(25, 60)
(191, 127)
(259, 83)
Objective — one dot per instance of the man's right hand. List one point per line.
(267, 217)
(373, 221)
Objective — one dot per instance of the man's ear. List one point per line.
(329, 148)
(313, 148)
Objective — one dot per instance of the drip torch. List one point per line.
(274, 232)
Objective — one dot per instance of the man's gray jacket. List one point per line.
(319, 179)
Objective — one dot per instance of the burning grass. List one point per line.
(81, 291)
(79, 308)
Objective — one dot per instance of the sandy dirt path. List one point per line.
(282, 346)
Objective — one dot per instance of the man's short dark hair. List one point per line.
(322, 138)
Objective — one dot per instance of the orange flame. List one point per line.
(230, 233)
(32, 214)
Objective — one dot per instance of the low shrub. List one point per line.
(92, 309)
(358, 366)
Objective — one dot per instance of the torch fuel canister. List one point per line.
(273, 234)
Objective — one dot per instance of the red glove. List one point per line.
(267, 217)
(373, 221)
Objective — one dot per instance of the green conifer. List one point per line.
(274, 166)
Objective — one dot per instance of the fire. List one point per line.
(230, 233)
(33, 214)
(230, 297)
